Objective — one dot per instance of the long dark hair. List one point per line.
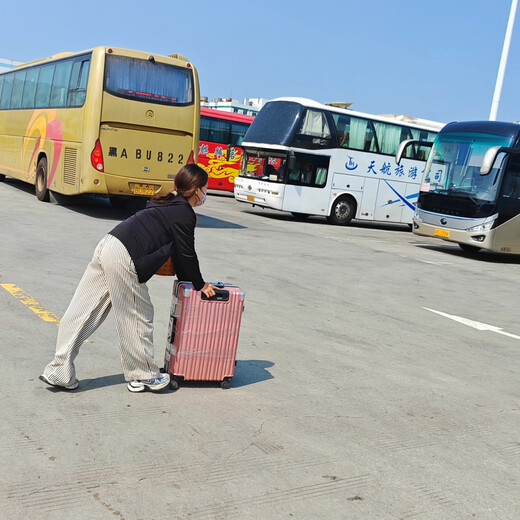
(189, 179)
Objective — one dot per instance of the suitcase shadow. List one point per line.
(251, 371)
(247, 372)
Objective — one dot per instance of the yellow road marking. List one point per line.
(31, 303)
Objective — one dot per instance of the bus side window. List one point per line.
(16, 96)
(238, 131)
(362, 136)
(43, 90)
(6, 91)
(512, 182)
(342, 129)
(60, 84)
(29, 89)
(78, 83)
(314, 131)
(321, 176)
(390, 136)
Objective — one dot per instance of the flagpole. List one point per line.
(503, 62)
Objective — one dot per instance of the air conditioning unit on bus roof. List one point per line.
(177, 56)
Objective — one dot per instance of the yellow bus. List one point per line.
(106, 121)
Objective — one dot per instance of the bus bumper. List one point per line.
(480, 238)
(268, 196)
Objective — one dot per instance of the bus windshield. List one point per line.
(263, 166)
(150, 81)
(275, 123)
(453, 167)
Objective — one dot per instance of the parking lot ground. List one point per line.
(378, 377)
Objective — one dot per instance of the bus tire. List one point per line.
(469, 248)
(300, 216)
(2, 177)
(342, 212)
(40, 186)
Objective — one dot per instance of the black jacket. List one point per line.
(161, 230)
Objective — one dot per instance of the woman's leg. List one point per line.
(88, 308)
(133, 312)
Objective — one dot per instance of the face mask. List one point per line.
(200, 202)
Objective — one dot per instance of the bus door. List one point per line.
(305, 185)
(367, 207)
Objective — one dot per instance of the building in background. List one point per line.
(250, 106)
(6, 64)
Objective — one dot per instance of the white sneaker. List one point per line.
(152, 384)
(71, 386)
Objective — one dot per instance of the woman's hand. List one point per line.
(208, 290)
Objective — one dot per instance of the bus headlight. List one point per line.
(481, 227)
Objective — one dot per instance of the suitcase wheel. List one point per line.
(174, 384)
(225, 384)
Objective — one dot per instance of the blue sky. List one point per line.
(435, 60)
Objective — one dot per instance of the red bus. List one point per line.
(220, 154)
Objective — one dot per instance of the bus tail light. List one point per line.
(191, 158)
(97, 157)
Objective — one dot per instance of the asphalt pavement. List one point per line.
(378, 377)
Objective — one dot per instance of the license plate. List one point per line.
(251, 198)
(442, 233)
(144, 189)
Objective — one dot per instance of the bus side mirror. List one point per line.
(402, 147)
(489, 159)
(291, 163)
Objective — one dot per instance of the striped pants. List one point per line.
(109, 282)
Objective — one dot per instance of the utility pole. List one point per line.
(503, 62)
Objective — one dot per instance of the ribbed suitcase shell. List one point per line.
(203, 334)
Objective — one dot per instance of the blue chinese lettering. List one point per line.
(351, 164)
(219, 151)
(385, 169)
(232, 154)
(203, 149)
(412, 172)
(399, 171)
(438, 175)
(371, 168)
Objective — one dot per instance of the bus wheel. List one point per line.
(2, 177)
(300, 216)
(469, 248)
(342, 212)
(40, 187)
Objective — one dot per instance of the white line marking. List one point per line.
(426, 261)
(475, 324)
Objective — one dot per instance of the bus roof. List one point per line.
(183, 61)
(423, 124)
(483, 127)
(230, 116)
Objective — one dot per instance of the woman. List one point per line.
(123, 262)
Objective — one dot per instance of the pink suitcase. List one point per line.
(203, 334)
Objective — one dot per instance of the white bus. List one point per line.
(311, 159)
(470, 193)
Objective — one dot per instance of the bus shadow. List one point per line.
(20, 185)
(322, 221)
(203, 221)
(101, 208)
(482, 256)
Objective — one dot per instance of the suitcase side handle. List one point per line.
(221, 295)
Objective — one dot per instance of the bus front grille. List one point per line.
(70, 166)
